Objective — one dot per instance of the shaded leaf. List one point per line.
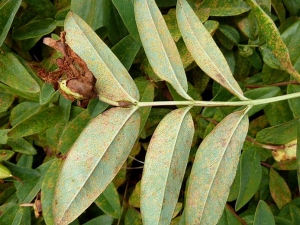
(21, 145)
(298, 152)
(47, 93)
(28, 190)
(72, 131)
(165, 164)
(113, 80)
(126, 50)
(159, 46)
(103, 219)
(126, 11)
(90, 11)
(249, 178)
(109, 202)
(42, 7)
(270, 34)
(37, 122)
(204, 50)
(100, 151)
(8, 10)
(295, 102)
(34, 29)
(279, 189)
(263, 215)
(146, 89)
(16, 215)
(214, 170)
(25, 174)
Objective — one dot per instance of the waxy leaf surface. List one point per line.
(94, 160)
(113, 80)
(204, 49)
(214, 170)
(159, 46)
(165, 164)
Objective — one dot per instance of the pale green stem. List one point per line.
(110, 102)
(215, 104)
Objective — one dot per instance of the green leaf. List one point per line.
(21, 145)
(92, 12)
(135, 197)
(225, 8)
(103, 219)
(204, 50)
(279, 9)
(229, 218)
(278, 112)
(133, 217)
(72, 131)
(159, 46)
(279, 189)
(263, 215)
(113, 80)
(270, 34)
(12, 71)
(100, 151)
(247, 25)
(295, 102)
(36, 123)
(4, 172)
(126, 50)
(109, 202)
(165, 164)
(292, 6)
(146, 89)
(45, 8)
(298, 152)
(214, 170)
(28, 190)
(34, 29)
(25, 174)
(280, 134)
(16, 215)
(47, 190)
(8, 10)
(23, 111)
(249, 178)
(47, 93)
(5, 155)
(126, 11)
(6, 101)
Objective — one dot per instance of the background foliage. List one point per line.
(103, 179)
